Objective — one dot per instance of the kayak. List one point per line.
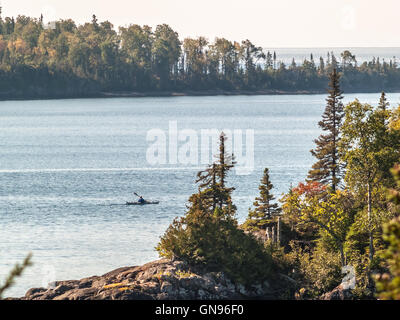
(141, 203)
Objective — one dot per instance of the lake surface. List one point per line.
(362, 54)
(67, 167)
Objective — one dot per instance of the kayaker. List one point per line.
(141, 200)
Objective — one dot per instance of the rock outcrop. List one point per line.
(161, 280)
(339, 293)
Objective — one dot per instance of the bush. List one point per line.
(217, 244)
(388, 285)
(317, 271)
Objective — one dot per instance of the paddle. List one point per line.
(141, 200)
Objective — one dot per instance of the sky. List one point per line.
(273, 24)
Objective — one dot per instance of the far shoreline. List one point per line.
(188, 93)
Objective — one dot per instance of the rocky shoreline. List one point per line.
(166, 279)
(158, 280)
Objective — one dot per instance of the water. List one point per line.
(362, 54)
(68, 166)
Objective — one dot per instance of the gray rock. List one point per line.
(241, 289)
(34, 291)
(258, 290)
(202, 295)
(62, 288)
(167, 287)
(339, 293)
(162, 279)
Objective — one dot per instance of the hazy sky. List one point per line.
(279, 23)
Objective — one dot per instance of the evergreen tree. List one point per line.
(94, 21)
(214, 194)
(383, 111)
(383, 114)
(383, 104)
(264, 209)
(213, 239)
(293, 65)
(92, 58)
(327, 169)
(321, 65)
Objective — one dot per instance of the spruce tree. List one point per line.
(321, 65)
(264, 208)
(212, 239)
(326, 169)
(383, 109)
(214, 194)
(383, 104)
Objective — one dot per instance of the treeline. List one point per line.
(66, 59)
(345, 215)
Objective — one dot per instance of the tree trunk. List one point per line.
(342, 257)
(267, 233)
(278, 232)
(273, 235)
(371, 239)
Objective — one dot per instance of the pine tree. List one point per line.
(264, 209)
(383, 104)
(383, 110)
(95, 22)
(383, 115)
(326, 169)
(214, 195)
(321, 65)
(213, 239)
(293, 64)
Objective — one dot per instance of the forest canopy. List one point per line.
(64, 59)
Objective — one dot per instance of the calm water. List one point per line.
(362, 54)
(68, 166)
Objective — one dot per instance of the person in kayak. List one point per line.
(141, 200)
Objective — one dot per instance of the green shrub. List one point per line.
(217, 244)
(388, 284)
(317, 271)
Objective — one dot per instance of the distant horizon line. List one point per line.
(333, 47)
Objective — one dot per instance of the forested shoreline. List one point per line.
(66, 60)
(344, 218)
